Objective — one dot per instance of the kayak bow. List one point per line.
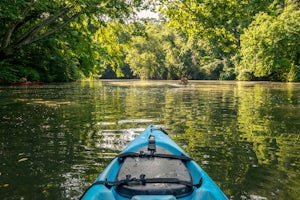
(153, 166)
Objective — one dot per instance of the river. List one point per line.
(56, 138)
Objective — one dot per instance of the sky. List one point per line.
(147, 14)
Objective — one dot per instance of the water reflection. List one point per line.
(116, 139)
(55, 139)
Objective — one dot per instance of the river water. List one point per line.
(55, 139)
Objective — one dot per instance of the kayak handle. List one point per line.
(121, 157)
(142, 180)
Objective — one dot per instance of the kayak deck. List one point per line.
(164, 176)
(153, 167)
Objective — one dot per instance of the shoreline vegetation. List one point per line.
(45, 42)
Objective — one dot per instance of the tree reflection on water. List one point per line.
(56, 139)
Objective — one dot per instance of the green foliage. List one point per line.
(217, 23)
(29, 73)
(7, 72)
(270, 47)
(216, 28)
(113, 39)
(162, 53)
(145, 53)
(57, 40)
(69, 40)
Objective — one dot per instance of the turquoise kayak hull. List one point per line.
(207, 190)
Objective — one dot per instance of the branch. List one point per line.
(29, 34)
(13, 27)
(53, 30)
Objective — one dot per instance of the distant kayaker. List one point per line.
(184, 80)
(23, 80)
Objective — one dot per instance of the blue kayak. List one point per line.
(153, 167)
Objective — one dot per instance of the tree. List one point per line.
(145, 55)
(25, 22)
(215, 26)
(60, 31)
(162, 53)
(270, 47)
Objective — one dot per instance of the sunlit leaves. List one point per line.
(270, 47)
(216, 24)
(69, 28)
(161, 53)
(219, 22)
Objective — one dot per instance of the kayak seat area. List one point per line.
(154, 168)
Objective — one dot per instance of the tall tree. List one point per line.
(216, 26)
(56, 40)
(145, 55)
(270, 47)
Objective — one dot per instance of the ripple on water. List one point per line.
(116, 139)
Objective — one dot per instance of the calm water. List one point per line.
(56, 139)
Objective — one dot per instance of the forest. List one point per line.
(62, 40)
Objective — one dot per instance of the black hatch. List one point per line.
(153, 175)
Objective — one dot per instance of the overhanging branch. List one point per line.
(34, 34)
(53, 30)
(34, 30)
